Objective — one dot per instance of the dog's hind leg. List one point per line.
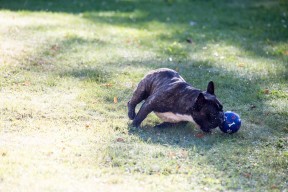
(139, 95)
(142, 114)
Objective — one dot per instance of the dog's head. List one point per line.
(208, 111)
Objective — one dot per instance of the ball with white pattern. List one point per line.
(232, 122)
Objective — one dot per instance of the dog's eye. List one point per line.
(209, 117)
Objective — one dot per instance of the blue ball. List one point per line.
(232, 122)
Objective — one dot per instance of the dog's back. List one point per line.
(161, 80)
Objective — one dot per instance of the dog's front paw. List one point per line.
(205, 130)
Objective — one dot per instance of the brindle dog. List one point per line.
(173, 100)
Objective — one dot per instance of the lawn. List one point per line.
(68, 69)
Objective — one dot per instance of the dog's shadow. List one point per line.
(180, 136)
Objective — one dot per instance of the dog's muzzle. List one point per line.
(222, 119)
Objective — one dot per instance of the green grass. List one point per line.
(63, 63)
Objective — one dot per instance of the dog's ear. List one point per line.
(200, 101)
(210, 88)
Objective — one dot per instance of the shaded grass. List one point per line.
(64, 63)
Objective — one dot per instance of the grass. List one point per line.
(67, 70)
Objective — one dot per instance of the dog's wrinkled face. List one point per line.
(208, 111)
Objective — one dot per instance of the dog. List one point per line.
(174, 101)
